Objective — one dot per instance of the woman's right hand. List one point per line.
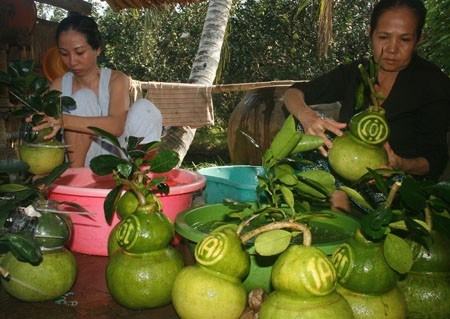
(311, 121)
(46, 122)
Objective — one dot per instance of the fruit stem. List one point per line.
(428, 218)
(392, 194)
(4, 272)
(135, 189)
(280, 225)
(369, 83)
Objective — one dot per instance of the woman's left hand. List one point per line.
(395, 161)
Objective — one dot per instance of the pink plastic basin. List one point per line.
(85, 188)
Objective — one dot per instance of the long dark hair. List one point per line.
(82, 24)
(415, 6)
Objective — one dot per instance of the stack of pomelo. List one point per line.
(142, 265)
(366, 280)
(51, 277)
(304, 280)
(213, 287)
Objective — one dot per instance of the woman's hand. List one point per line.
(312, 122)
(47, 122)
(415, 166)
(315, 124)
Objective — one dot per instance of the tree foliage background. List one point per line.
(266, 40)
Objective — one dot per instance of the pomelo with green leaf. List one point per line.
(361, 266)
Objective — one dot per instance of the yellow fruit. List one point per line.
(42, 158)
(199, 293)
(139, 281)
(389, 305)
(53, 277)
(284, 305)
(304, 271)
(361, 266)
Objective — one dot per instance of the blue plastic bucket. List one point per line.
(237, 182)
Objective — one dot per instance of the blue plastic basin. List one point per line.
(237, 182)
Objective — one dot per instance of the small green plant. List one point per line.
(32, 92)
(132, 171)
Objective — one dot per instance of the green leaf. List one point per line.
(288, 196)
(13, 165)
(53, 175)
(125, 169)
(317, 183)
(133, 142)
(235, 205)
(360, 96)
(110, 203)
(23, 247)
(401, 224)
(272, 242)
(356, 197)
(164, 161)
(412, 195)
(308, 143)
(105, 164)
(12, 188)
(107, 136)
(442, 190)
(397, 253)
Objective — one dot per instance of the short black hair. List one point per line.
(415, 6)
(83, 24)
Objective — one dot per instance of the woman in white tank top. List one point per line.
(101, 95)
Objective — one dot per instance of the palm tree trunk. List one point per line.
(203, 70)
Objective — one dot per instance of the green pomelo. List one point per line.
(428, 283)
(350, 157)
(142, 281)
(52, 230)
(370, 127)
(40, 135)
(434, 257)
(113, 243)
(304, 271)
(222, 251)
(199, 293)
(427, 294)
(143, 232)
(283, 305)
(42, 158)
(128, 203)
(390, 305)
(361, 266)
(54, 276)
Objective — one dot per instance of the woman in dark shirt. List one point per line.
(417, 93)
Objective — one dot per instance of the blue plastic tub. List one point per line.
(237, 182)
